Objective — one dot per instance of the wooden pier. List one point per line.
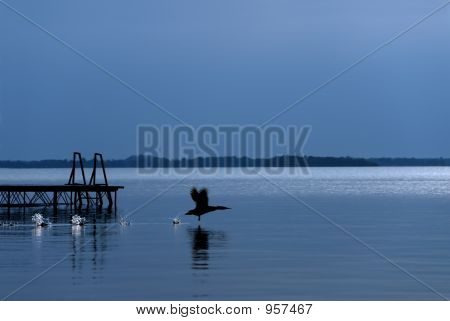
(73, 194)
(55, 195)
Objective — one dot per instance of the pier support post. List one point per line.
(110, 201)
(55, 200)
(80, 201)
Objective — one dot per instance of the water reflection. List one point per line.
(38, 232)
(204, 245)
(87, 245)
(77, 230)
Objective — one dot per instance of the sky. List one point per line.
(215, 62)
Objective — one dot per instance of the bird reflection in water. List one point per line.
(203, 242)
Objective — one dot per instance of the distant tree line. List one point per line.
(411, 161)
(279, 161)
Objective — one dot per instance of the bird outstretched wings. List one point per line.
(200, 198)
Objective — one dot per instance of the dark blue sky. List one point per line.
(224, 62)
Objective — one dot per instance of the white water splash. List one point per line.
(176, 220)
(39, 220)
(124, 221)
(78, 220)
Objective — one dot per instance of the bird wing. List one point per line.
(194, 194)
(200, 198)
(203, 197)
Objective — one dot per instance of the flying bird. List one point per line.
(201, 202)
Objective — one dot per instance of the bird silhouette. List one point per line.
(201, 201)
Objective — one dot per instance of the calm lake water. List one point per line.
(279, 241)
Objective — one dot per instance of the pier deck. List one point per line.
(55, 195)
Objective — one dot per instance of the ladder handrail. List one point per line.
(73, 172)
(92, 181)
